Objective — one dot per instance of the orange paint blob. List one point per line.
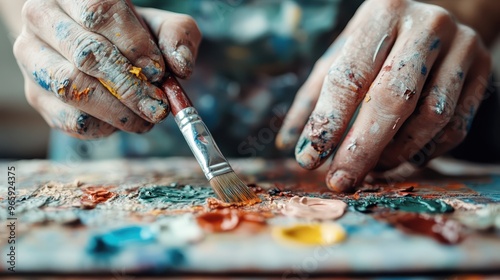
(95, 195)
(228, 219)
(79, 94)
(218, 221)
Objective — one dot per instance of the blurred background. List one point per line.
(23, 132)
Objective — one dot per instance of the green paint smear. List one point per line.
(409, 204)
(181, 194)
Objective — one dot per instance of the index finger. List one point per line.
(117, 22)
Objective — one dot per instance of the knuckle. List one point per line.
(31, 9)
(469, 38)
(352, 81)
(19, 46)
(440, 17)
(437, 111)
(88, 52)
(96, 13)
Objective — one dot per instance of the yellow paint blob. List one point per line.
(137, 71)
(109, 86)
(310, 234)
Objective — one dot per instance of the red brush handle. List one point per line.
(175, 94)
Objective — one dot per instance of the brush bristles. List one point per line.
(229, 188)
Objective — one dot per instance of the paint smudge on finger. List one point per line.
(310, 234)
(314, 208)
(78, 95)
(110, 87)
(137, 71)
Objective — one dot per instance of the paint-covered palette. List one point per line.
(159, 216)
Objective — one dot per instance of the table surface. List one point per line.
(56, 229)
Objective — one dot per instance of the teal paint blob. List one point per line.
(173, 194)
(112, 241)
(409, 204)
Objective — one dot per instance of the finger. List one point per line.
(456, 130)
(439, 100)
(308, 94)
(59, 115)
(178, 37)
(72, 86)
(305, 99)
(116, 21)
(392, 98)
(346, 83)
(97, 57)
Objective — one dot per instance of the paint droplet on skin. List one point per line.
(77, 95)
(118, 34)
(396, 123)
(435, 44)
(82, 123)
(137, 71)
(124, 120)
(423, 70)
(42, 78)
(352, 146)
(374, 128)
(440, 107)
(314, 208)
(310, 234)
(368, 98)
(460, 75)
(409, 94)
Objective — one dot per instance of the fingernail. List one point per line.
(286, 139)
(184, 59)
(341, 181)
(150, 68)
(154, 110)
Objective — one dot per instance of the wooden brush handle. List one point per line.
(175, 94)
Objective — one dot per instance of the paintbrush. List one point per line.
(225, 183)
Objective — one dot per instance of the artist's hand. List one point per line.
(88, 65)
(419, 77)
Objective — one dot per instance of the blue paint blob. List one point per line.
(460, 75)
(423, 71)
(175, 256)
(42, 78)
(114, 240)
(435, 44)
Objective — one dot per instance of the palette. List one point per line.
(157, 216)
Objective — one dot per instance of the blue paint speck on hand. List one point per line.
(62, 30)
(460, 75)
(435, 44)
(423, 71)
(42, 78)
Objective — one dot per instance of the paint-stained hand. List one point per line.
(89, 65)
(417, 77)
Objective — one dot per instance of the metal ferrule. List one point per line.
(201, 143)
